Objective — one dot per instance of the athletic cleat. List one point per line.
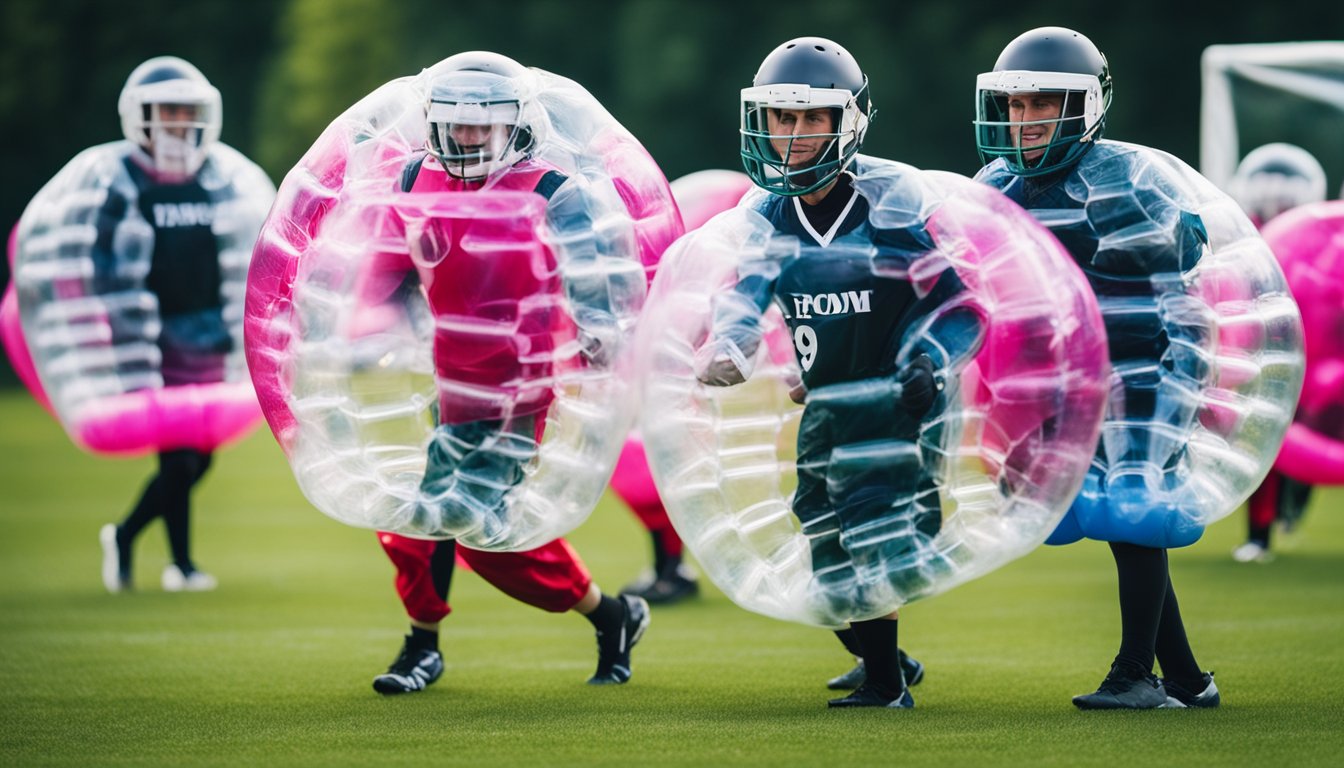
(174, 580)
(1252, 552)
(673, 587)
(1123, 690)
(1207, 698)
(869, 696)
(910, 668)
(613, 654)
(114, 578)
(414, 669)
(851, 679)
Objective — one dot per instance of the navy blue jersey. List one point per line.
(847, 315)
(184, 271)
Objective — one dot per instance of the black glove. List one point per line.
(918, 386)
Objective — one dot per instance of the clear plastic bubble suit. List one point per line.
(1309, 243)
(122, 376)
(443, 363)
(902, 512)
(1205, 343)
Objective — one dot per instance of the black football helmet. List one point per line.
(804, 74)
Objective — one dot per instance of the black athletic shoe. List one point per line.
(868, 696)
(613, 653)
(1127, 689)
(414, 669)
(1207, 698)
(910, 668)
(672, 587)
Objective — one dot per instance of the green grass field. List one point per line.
(274, 667)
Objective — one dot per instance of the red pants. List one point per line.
(550, 577)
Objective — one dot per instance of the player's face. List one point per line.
(790, 129)
(470, 136)
(177, 118)
(1030, 107)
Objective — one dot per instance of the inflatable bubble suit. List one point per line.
(1205, 343)
(1015, 338)
(89, 337)
(449, 362)
(1309, 243)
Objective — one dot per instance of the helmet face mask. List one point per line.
(1065, 134)
(172, 113)
(1064, 67)
(790, 160)
(788, 147)
(477, 124)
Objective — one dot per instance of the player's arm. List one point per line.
(728, 355)
(593, 237)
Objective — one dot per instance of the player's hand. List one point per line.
(918, 386)
(798, 392)
(717, 366)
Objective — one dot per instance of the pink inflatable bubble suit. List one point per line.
(1016, 341)
(1309, 243)
(91, 326)
(446, 359)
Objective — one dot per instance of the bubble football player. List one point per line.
(173, 184)
(804, 120)
(1041, 113)
(1270, 180)
(483, 132)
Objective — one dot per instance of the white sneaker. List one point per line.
(175, 581)
(1252, 552)
(112, 579)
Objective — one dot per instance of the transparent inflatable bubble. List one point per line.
(444, 358)
(1309, 244)
(877, 492)
(1205, 344)
(123, 373)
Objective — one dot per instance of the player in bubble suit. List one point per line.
(1040, 117)
(181, 179)
(804, 119)
(482, 134)
(1270, 180)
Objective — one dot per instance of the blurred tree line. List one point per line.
(668, 69)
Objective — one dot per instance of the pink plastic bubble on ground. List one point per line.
(1309, 244)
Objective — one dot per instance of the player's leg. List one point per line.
(1143, 585)
(424, 575)
(670, 580)
(1182, 677)
(1261, 509)
(180, 471)
(553, 578)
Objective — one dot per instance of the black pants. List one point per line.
(867, 502)
(168, 495)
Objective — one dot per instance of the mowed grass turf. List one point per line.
(274, 668)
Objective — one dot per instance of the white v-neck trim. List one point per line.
(825, 240)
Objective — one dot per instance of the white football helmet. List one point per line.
(172, 113)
